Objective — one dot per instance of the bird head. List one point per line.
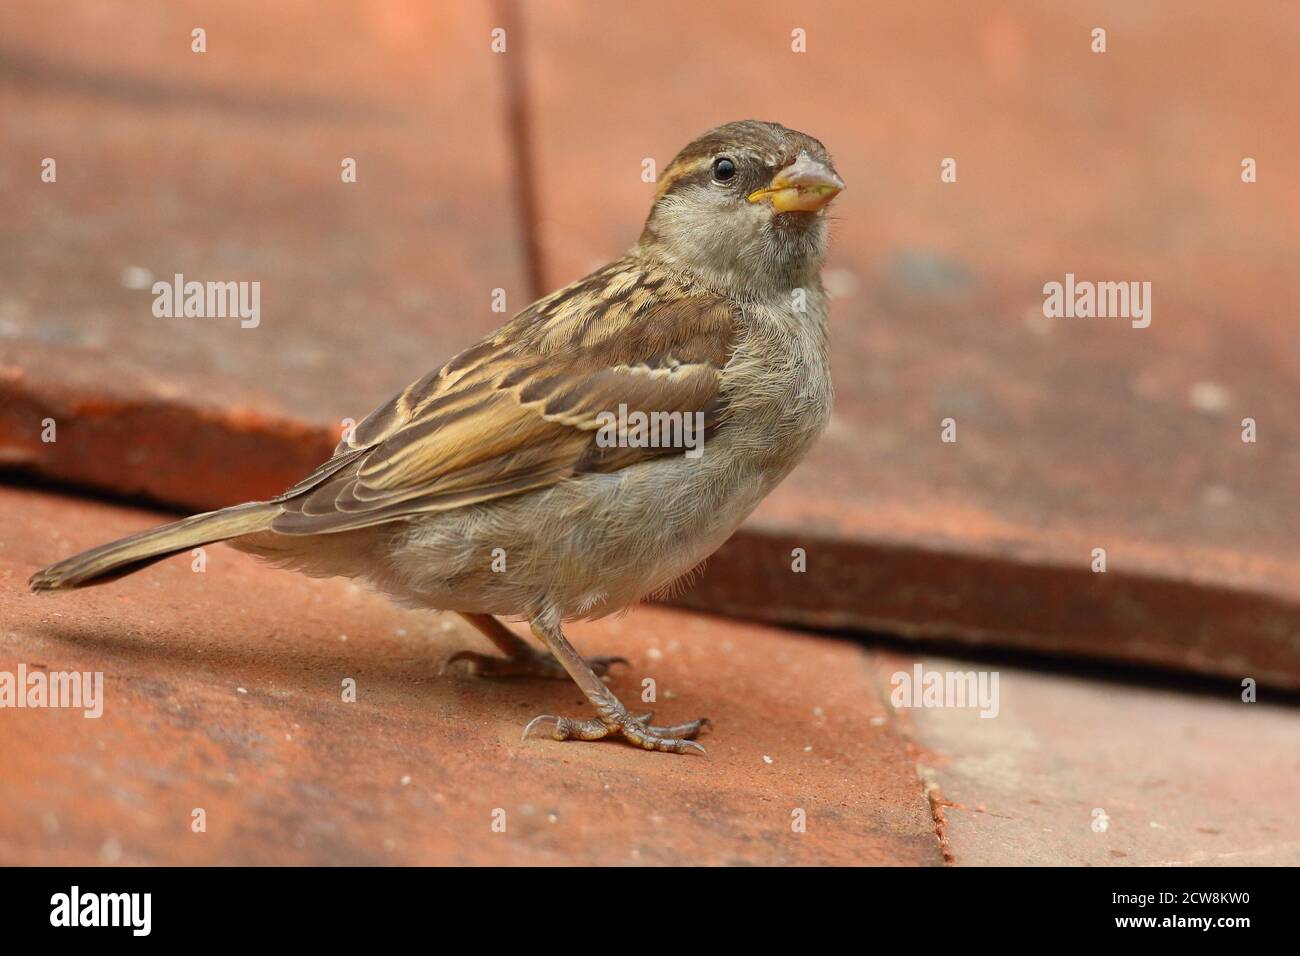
(743, 208)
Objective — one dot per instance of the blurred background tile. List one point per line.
(227, 166)
(1072, 434)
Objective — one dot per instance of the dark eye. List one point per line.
(723, 169)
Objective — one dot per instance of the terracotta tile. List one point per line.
(226, 166)
(1072, 434)
(1082, 772)
(223, 692)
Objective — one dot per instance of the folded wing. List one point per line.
(521, 410)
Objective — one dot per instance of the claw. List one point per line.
(537, 720)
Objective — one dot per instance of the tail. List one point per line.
(120, 558)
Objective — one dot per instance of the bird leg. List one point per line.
(612, 718)
(521, 658)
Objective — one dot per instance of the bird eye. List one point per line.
(723, 169)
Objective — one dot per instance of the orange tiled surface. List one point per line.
(1077, 770)
(223, 691)
(1072, 434)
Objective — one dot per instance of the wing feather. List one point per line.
(521, 409)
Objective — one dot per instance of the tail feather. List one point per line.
(118, 558)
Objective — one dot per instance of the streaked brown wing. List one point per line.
(521, 409)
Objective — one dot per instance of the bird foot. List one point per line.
(528, 664)
(636, 729)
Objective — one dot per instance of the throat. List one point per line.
(772, 282)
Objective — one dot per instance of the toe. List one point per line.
(675, 739)
(687, 731)
(673, 745)
(564, 728)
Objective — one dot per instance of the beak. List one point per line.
(804, 186)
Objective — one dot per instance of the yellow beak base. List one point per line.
(806, 185)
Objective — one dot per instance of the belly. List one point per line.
(587, 547)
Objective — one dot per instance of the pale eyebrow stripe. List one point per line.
(673, 173)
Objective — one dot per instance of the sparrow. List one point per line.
(518, 482)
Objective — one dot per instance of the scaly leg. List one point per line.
(611, 716)
(521, 658)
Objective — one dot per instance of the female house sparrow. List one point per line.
(717, 313)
